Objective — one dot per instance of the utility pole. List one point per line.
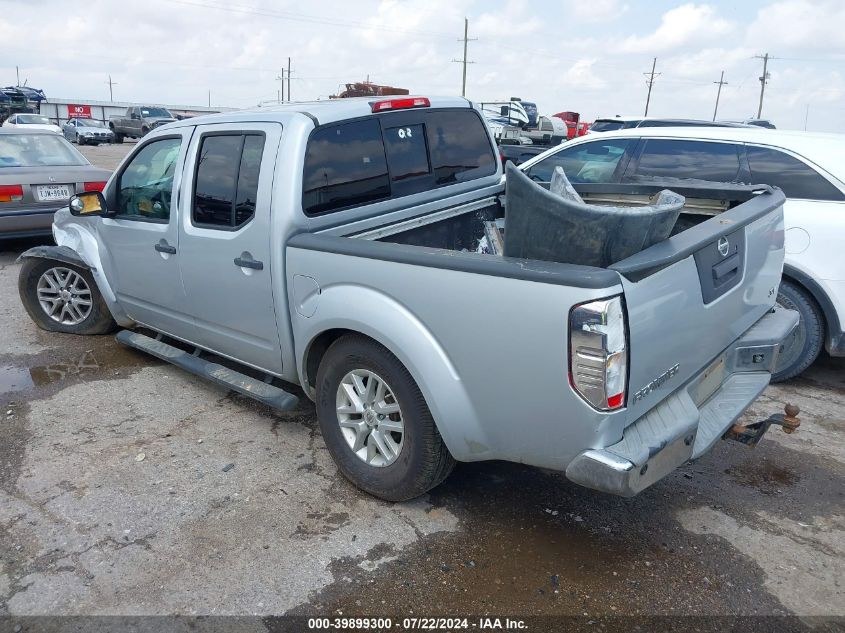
(650, 82)
(111, 84)
(806, 116)
(721, 83)
(280, 93)
(464, 61)
(289, 79)
(18, 73)
(763, 79)
(209, 97)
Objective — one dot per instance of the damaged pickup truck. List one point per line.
(337, 246)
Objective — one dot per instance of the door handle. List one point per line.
(249, 263)
(164, 247)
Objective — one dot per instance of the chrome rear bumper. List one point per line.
(687, 424)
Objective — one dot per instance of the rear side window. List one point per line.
(596, 161)
(226, 183)
(798, 180)
(703, 160)
(345, 166)
(459, 145)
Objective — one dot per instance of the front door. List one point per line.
(225, 241)
(141, 243)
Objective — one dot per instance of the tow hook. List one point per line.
(750, 434)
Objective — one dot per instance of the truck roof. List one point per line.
(325, 111)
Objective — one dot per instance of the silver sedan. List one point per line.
(39, 172)
(87, 131)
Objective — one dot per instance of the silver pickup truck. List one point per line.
(334, 245)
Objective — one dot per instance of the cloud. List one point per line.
(517, 18)
(595, 10)
(682, 25)
(798, 23)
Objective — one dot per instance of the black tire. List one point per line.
(423, 462)
(803, 346)
(144, 131)
(98, 321)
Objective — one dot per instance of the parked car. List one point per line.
(518, 154)
(324, 244)
(39, 172)
(31, 122)
(87, 132)
(138, 121)
(624, 123)
(758, 122)
(808, 167)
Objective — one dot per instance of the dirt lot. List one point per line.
(130, 487)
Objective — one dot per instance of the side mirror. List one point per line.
(134, 115)
(88, 203)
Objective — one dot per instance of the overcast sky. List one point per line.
(582, 55)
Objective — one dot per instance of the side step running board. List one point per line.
(236, 381)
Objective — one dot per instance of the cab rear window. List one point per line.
(393, 155)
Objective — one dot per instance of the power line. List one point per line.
(721, 83)
(464, 60)
(302, 17)
(650, 82)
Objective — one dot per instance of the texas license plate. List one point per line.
(48, 193)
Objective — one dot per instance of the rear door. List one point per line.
(225, 241)
(689, 297)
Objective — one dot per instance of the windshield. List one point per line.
(32, 150)
(609, 125)
(88, 123)
(151, 112)
(31, 119)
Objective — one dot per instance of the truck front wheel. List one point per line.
(376, 423)
(61, 297)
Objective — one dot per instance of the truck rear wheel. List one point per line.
(61, 297)
(803, 345)
(376, 423)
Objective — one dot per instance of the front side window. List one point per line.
(596, 161)
(345, 166)
(702, 160)
(226, 183)
(145, 188)
(796, 179)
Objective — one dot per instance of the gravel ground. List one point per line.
(116, 499)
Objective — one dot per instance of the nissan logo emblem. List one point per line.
(724, 246)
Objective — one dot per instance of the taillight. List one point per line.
(598, 356)
(11, 193)
(94, 186)
(400, 104)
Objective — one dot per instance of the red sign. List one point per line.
(78, 111)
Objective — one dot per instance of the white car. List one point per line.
(808, 167)
(31, 122)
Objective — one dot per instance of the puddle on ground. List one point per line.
(88, 364)
(533, 544)
(764, 475)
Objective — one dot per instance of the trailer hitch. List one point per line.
(750, 434)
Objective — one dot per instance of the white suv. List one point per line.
(808, 167)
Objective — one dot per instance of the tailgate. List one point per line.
(691, 296)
